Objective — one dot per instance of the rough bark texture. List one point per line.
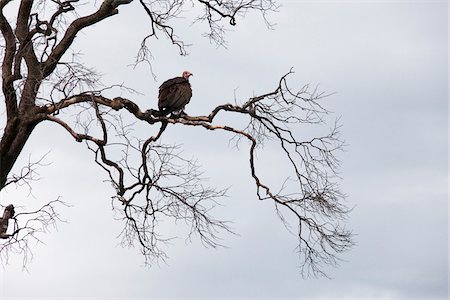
(22, 111)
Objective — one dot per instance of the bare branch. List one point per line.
(27, 229)
(158, 21)
(28, 173)
(151, 179)
(214, 12)
(107, 9)
(310, 194)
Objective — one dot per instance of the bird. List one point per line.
(174, 94)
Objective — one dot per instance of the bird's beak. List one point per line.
(191, 74)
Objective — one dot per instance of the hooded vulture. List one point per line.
(174, 94)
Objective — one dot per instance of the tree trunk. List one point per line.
(17, 132)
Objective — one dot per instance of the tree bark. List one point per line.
(16, 135)
(22, 112)
(8, 213)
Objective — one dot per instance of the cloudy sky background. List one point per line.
(387, 63)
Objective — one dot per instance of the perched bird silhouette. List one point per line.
(174, 94)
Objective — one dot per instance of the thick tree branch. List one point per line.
(312, 161)
(22, 19)
(151, 179)
(26, 49)
(7, 64)
(107, 9)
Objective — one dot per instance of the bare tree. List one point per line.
(151, 179)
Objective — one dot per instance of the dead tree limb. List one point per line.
(151, 179)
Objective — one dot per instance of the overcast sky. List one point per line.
(387, 62)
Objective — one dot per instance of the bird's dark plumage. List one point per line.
(174, 94)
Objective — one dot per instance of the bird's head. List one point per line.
(186, 74)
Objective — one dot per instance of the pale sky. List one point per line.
(386, 61)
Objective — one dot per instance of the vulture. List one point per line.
(174, 94)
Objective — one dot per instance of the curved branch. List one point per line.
(158, 22)
(107, 9)
(7, 64)
(312, 161)
(79, 137)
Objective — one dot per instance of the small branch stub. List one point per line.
(8, 213)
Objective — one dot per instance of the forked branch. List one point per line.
(162, 183)
(152, 180)
(27, 228)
